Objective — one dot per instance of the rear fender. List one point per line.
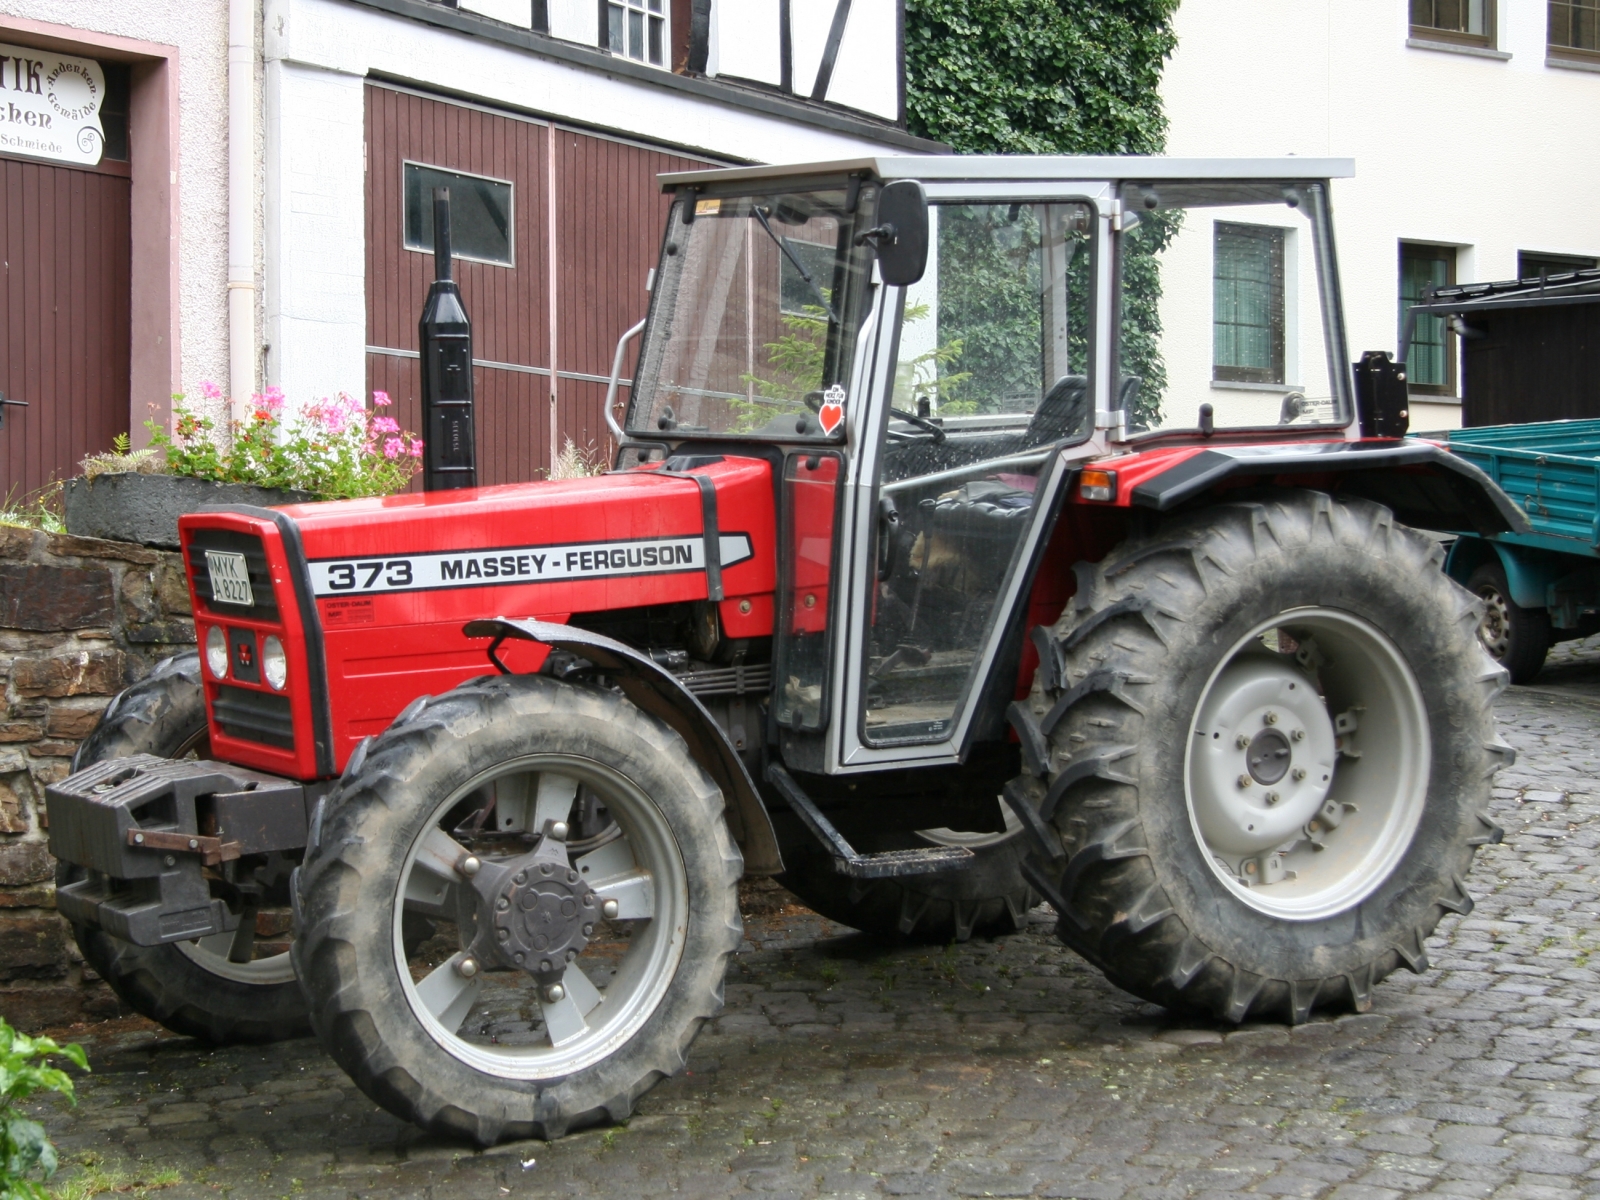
(1422, 483)
(1565, 584)
(658, 693)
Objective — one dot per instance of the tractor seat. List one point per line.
(1060, 414)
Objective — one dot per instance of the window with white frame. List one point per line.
(636, 29)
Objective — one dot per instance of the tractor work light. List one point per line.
(217, 652)
(1098, 485)
(274, 662)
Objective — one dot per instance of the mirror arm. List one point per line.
(616, 374)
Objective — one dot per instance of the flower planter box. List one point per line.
(145, 508)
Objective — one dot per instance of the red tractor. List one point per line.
(982, 531)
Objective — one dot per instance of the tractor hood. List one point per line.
(611, 541)
(369, 598)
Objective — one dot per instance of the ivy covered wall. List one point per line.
(1051, 77)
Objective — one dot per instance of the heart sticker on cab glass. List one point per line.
(831, 414)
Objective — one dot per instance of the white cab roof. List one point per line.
(956, 168)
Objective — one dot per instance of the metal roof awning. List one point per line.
(1569, 287)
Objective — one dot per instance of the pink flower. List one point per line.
(385, 425)
(392, 447)
(210, 390)
(381, 399)
(272, 399)
(416, 448)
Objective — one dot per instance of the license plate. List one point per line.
(230, 578)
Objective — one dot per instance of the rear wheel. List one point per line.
(192, 988)
(1271, 746)
(1516, 638)
(573, 869)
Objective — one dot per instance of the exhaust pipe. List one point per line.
(449, 455)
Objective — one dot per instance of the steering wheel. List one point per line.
(935, 434)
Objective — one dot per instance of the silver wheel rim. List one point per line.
(975, 841)
(498, 1021)
(1308, 761)
(1494, 631)
(211, 955)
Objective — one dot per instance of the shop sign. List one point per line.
(50, 105)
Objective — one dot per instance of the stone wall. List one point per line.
(80, 619)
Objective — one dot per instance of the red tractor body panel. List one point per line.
(394, 580)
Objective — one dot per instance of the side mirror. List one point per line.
(900, 235)
(1383, 401)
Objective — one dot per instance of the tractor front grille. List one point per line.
(265, 607)
(254, 716)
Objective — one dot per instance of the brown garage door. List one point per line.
(602, 234)
(64, 262)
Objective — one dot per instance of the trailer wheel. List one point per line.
(988, 898)
(190, 987)
(1271, 745)
(582, 883)
(1516, 638)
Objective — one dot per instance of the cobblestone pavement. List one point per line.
(1003, 1069)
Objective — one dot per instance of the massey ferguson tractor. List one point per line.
(982, 532)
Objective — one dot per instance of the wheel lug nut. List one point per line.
(610, 909)
(467, 968)
(470, 865)
(1244, 781)
(555, 992)
(1298, 735)
(1242, 741)
(588, 931)
(1270, 718)
(1272, 798)
(1299, 773)
(558, 830)
(502, 904)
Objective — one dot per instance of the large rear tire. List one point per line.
(190, 987)
(452, 1036)
(1270, 741)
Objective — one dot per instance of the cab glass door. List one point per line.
(991, 375)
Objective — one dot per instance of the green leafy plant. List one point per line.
(121, 459)
(36, 510)
(336, 448)
(1049, 77)
(26, 1155)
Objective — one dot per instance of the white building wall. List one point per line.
(200, 32)
(744, 41)
(318, 53)
(1489, 154)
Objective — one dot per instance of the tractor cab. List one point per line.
(928, 351)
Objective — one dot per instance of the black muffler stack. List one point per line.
(449, 456)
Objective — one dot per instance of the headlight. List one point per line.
(274, 663)
(217, 651)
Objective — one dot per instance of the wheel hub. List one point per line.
(535, 912)
(1263, 756)
(1268, 756)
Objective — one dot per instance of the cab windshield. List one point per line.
(755, 314)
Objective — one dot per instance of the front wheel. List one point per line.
(1271, 744)
(516, 910)
(195, 988)
(988, 898)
